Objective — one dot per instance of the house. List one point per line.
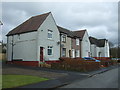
(70, 43)
(84, 43)
(65, 42)
(99, 47)
(74, 43)
(39, 40)
(34, 41)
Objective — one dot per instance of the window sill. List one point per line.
(50, 39)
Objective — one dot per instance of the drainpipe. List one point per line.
(81, 48)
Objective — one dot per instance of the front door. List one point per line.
(73, 53)
(41, 54)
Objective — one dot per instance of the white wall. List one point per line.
(24, 48)
(43, 41)
(93, 50)
(106, 49)
(9, 48)
(85, 45)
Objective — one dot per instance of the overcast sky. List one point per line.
(99, 18)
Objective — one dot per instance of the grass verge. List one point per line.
(11, 81)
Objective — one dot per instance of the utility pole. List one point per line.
(1, 32)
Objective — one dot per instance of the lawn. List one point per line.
(11, 81)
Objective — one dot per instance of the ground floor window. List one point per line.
(63, 52)
(50, 50)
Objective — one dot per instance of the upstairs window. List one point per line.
(63, 38)
(50, 32)
(77, 41)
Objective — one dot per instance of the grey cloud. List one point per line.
(100, 19)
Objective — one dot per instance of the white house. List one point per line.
(99, 47)
(34, 41)
(85, 43)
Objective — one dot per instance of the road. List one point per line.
(107, 79)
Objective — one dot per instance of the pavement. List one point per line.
(68, 78)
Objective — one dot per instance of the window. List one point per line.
(50, 50)
(63, 38)
(64, 52)
(77, 53)
(50, 34)
(77, 41)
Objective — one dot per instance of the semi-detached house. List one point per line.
(99, 47)
(74, 43)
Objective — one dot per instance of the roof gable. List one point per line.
(98, 42)
(29, 25)
(80, 33)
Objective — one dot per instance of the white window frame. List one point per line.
(63, 52)
(50, 34)
(77, 41)
(50, 48)
(63, 38)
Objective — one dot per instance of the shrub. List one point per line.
(76, 64)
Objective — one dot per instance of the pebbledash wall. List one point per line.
(85, 46)
(26, 46)
(43, 41)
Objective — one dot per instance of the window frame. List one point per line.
(77, 41)
(50, 34)
(50, 48)
(63, 52)
(63, 38)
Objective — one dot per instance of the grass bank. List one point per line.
(11, 81)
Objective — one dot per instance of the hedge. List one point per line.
(76, 64)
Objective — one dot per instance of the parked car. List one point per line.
(90, 58)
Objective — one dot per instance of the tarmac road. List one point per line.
(107, 79)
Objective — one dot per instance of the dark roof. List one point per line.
(30, 25)
(80, 33)
(66, 31)
(73, 34)
(98, 42)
